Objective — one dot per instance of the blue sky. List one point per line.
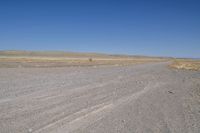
(138, 27)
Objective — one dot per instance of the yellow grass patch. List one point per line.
(186, 64)
(73, 61)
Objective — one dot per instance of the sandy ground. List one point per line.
(148, 98)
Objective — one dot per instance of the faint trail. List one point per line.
(4, 100)
(74, 118)
(87, 116)
(48, 96)
(138, 94)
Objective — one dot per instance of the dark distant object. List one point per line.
(90, 60)
(171, 92)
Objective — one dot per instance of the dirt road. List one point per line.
(108, 99)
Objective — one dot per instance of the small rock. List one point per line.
(171, 92)
(123, 121)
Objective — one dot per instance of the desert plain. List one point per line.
(94, 93)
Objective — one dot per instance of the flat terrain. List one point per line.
(13, 59)
(105, 99)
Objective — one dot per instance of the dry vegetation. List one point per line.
(186, 64)
(56, 59)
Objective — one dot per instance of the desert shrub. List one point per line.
(90, 60)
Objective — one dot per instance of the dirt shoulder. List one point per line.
(186, 65)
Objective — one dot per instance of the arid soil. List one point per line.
(146, 98)
(193, 65)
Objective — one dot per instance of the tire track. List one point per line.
(87, 116)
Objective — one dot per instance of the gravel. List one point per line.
(105, 99)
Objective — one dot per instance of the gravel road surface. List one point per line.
(148, 98)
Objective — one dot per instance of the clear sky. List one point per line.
(138, 27)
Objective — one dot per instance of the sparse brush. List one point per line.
(186, 64)
(90, 59)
